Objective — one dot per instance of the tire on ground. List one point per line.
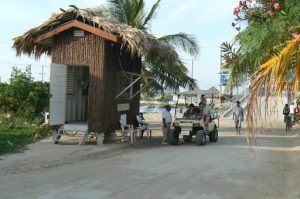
(173, 137)
(200, 138)
(213, 135)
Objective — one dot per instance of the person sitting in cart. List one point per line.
(191, 112)
(207, 113)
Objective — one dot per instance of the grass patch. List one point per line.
(14, 136)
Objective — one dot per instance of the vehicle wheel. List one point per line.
(288, 124)
(173, 137)
(200, 138)
(187, 138)
(213, 135)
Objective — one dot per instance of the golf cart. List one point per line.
(200, 125)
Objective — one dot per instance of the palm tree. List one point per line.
(267, 53)
(132, 12)
(230, 57)
(274, 77)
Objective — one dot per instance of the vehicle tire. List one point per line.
(200, 138)
(213, 135)
(288, 123)
(173, 137)
(187, 138)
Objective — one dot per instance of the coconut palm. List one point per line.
(273, 77)
(230, 57)
(132, 12)
(266, 52)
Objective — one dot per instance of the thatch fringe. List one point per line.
(136, 41)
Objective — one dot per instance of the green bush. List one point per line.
(15, 134)
(22, 96)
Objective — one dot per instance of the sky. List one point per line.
(209, 21)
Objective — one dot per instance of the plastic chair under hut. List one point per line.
(126, 129)
(143, 126)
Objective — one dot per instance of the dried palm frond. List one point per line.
(137, 42)
(270, 79)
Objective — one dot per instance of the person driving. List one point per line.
(191, 112)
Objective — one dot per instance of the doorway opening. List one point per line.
(77, 89)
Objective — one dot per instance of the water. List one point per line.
(145, 109)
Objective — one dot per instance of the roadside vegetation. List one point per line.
(22, 104)
(266, 51)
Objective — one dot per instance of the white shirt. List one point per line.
(292, 109)
(238, 113)
(207, 111)
(167, 116)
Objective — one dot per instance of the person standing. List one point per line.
(286, 111)
(297, 112)
(292, 111)
(167, 120)
(238, 116)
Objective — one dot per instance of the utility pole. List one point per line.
(192, 68)
(220, 94)
(42, 73)
(29, 70)
(192, 75)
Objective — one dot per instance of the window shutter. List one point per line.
(71, 80)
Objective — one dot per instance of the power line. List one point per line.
(21, 64)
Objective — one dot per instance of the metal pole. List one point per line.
(192, 68)
(220, 94)
(42, 73)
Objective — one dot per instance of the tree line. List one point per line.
(23, 96)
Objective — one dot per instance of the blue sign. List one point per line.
(224, 79)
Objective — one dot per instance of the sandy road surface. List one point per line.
(226, 169)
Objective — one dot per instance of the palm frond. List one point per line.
(151, 14)
(170, 77)
(116, 8)
(271, 78)
(182, 41)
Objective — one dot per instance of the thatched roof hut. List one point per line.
(136, 41)
(89, 49)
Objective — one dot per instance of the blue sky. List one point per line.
(208, 20)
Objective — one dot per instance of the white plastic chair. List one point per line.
(126, 128)
(143, 126)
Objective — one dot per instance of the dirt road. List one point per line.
(226, 169)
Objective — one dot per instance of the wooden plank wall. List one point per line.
(103, 58)
(116, 61)
(88, 50)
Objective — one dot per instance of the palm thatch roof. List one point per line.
(210, 91)
(136, 41)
